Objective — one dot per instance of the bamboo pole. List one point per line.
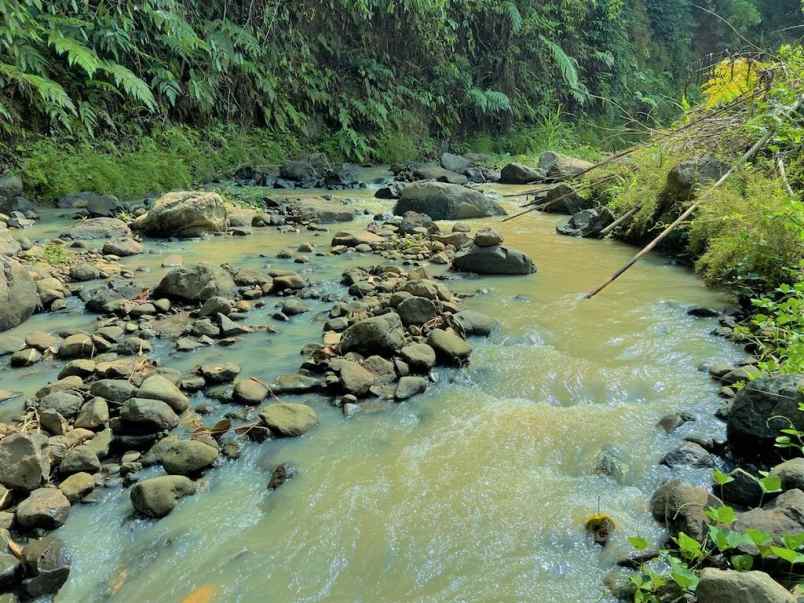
(619, 220)
(650, 246)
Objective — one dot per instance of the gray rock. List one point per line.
(378, 335)
(250, 391)
(409, 387)
(47, 564)
(455, 163)
(728, 586)
(419, 356)
(611, 461)
(439, 174)
(791, 473)
(80, 460)
(446, 202)
(77, 486)
(122, 248)
(516, 173)
(10, 571)
(157, 387)
(93, 415)
(113, 390)
(185, 457)
(563, 199)
(555, 165)
(18, 294)
(45, 508)
(475, 323)
(24, 462)
(680, 507)
(493, 260)
(220, 373)
(98, 229)
(79, 345)
(295, 383)
(688, 454)
(149, 415)
(744, 490)
(26, 357)
(784, 515)
(761, 409)
(487, 237)
(586, 223)
(288, 419)
(158, 496)
(449, 346)
(355, 379)
(416, 310)
(195, 283)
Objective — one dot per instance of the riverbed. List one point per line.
(477, 490)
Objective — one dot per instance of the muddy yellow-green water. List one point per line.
(475, 491)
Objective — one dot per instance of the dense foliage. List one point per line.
(355, 72)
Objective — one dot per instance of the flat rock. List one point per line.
(158, 496)
(289, 419)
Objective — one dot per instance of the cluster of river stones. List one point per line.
(114, 412)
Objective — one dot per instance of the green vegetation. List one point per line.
(56, 254)
(169, 158)
(353, 75)
(678, 569)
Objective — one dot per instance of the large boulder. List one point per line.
(382, 335)
(516, 173)
(586, 223)
(729, 586)
(98, 228)
(24, 462)
(195, 283)
(9, 245)
(761, 409)
(288, 419)
(184, 214)
(18, 294)
(493, 260)
(443, 201)
(555, 165)
(158, 496)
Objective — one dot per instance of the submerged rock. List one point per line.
(184, 214)
(443, 201)
(99, 228)
(158, 496)
(289, 419)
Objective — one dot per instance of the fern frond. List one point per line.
(133, 86)
(77, 53)
(55, 98)
(514, 16)
(568, 67)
